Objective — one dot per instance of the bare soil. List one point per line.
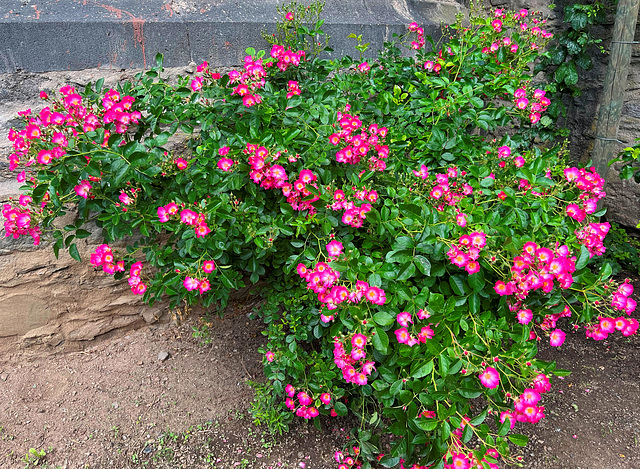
(116, 404)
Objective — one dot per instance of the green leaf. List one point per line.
(477, 102)
(81, 234)
(607, 270)
(558, 55)
(487, 182)
(474, 303)
(389, 461)
(98, 86)
(380, 341)
(584, 257)
(469, 393)
(422, 370)
(504, 427)
(444, 365)
(403, 242)
(383, 319)
(395, 387)
(477, 420)
(571, 74)
(73, 252)
(457, 284)
(406, 272)
(425, 424)
(520, 440)
(467, 433)
(341, 409)
(423, 264)
(162, 138)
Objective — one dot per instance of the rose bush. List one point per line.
(415, 242)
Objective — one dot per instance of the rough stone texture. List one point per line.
(60, 303)
(129, 33)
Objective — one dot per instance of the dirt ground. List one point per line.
(116, 404)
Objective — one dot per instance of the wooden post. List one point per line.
(615, 84)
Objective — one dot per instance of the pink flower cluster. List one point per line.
(505, 41)
(305, 409)
(592, 236)
(536, 105)
(249, 81)
(621, 299)
(359, 141)
(404, 336)
(322, 280)
(364, 67)
(461, 456)
(536, 269)
(605, 326)
(18, 221)
(83, 189)
(67, 116)
(225, 164)
(419, 42)
(293, 89)
(346, 460)
(354, 214)
(198, 82)
(187, 216)
(432, 66)
(263, 172)
(467, 252)
(135, 282)
(490, 378)
(354, 364)
(117, 108)
(192, 283)
(103, 257)
(127, 198)
(274, 176)
(504, 152)
(525, 405)
(202, 284)
(286, 57)
(460, 460)
(445, 189)
(549, 322)
(590, 184)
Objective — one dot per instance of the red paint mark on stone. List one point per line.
(35, 7)
(167, 6)
(227, 44)
(116, 11)
(137, 23)
(138, 34)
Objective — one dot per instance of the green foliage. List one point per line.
(391, 211)
(300, 28)
(268, 408)
(623, 250)
(34, 457)
(570, 51)
(630, 167)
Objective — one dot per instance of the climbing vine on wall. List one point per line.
(570, 52)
